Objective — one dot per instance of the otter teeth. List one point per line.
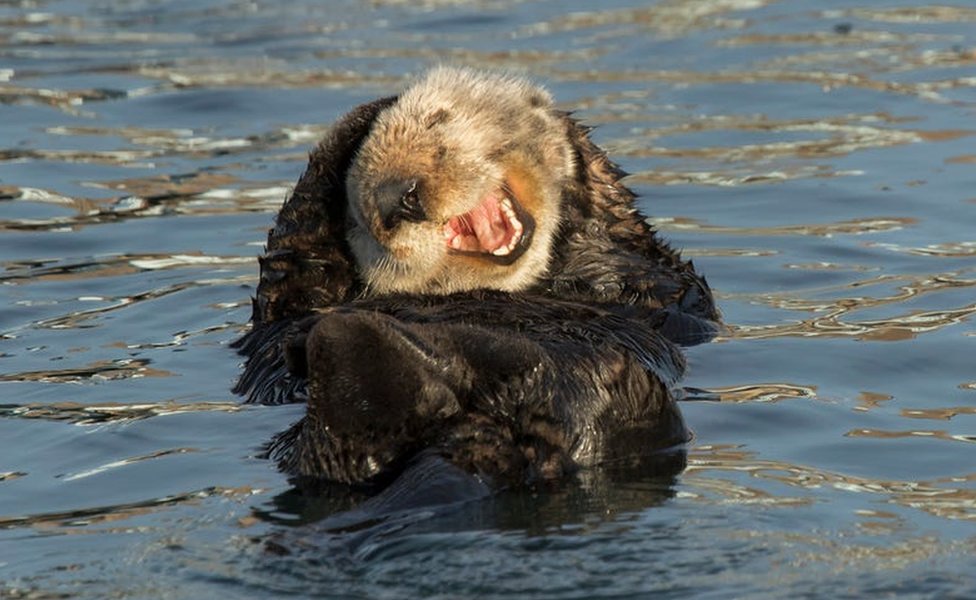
(485, 227)
(506, 207)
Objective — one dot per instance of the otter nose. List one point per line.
(400, 200)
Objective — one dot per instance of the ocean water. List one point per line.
(816, 160)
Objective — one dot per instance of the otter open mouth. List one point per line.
(498, 229)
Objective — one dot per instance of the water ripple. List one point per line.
(84, 517)
(88, 414)
(834, 324)
(942, 497)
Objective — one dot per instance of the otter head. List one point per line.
(458, 186)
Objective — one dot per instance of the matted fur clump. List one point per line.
(459, 276)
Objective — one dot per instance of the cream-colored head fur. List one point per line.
(456, 135)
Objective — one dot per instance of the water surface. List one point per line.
(815, 159)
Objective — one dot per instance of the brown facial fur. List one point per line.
(459, 134)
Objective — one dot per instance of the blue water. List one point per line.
(815, 159)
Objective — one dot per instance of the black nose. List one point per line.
(400, 200)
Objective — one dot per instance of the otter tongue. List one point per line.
(490, 225)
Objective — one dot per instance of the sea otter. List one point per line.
(460, 274)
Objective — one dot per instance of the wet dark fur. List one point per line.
(516, 387)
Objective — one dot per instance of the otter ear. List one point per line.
(307, 263)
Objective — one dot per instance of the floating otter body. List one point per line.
(459, 273)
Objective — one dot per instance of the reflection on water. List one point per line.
(759, 392)
(87, 414)
(938, 496)
(815, 162)
(117, 369)
(76, 522)
(831, 321)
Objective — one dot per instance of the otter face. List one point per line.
(458, 186)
